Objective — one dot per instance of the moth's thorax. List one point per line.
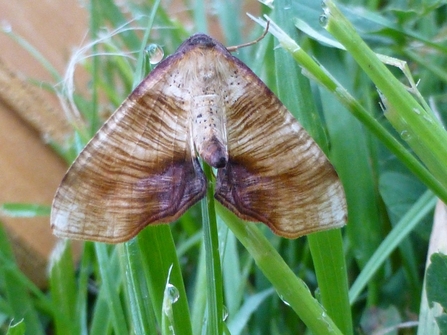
(208, 128)
(206, 84)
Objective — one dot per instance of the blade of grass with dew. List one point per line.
(418, 127)
(292, 290)
(158, 254)
(170, 296)
(139, 73)
(214, 306)
(420, 209)
(63, 289)
(294, 91)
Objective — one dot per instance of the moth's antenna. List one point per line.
(235, 47)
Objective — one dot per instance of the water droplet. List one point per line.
(323, 5)
(405, 134)
(224, 313)
(172, 293)
(283, 300)
(155, 53)
(417, 111)
(323, 20)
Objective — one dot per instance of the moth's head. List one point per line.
(201, 41)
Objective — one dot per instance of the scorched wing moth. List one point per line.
(142, 166)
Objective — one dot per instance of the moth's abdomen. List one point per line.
(208, 129)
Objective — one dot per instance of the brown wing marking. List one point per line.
(276, 173)
(138, 169)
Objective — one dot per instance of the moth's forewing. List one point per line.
(276, 173)
(140, 167)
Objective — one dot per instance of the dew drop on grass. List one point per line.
(284, 300)
(224, 313)
(155, 53)
(405, 134)
(172, 293)
(323, 20)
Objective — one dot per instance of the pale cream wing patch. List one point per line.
(276, 173)
(140, 168)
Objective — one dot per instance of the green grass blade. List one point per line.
(292, 290)
(141, 56)
(214, 307)
(330, 268)
(140, 304)
(158, 254)
(200, 295)
(420, 209)
(63, 289)
(111, 283)
(239, 321)
(233, 279)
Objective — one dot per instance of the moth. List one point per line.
(142, 167)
